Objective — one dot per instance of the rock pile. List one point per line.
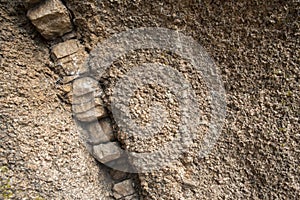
(53, 21)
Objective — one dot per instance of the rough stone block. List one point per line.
(51, 18)
(107, 152)
(92, 114)
(85, 85)
(65, 49)
(123, 189)
(99, 134)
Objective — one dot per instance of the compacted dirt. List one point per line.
(255, 45)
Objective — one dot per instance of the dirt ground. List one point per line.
(255, 44)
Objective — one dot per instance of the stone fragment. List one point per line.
(86, 106)
(92, 114)
(51, 18)
(75, 63)
(123, 189)
(107, 152)
(97, 134)
(106, 125)
(85, 85)
(69, 79)
(117, 175)
(65, 49)
(131, 197)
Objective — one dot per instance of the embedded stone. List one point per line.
(86, 106)
(85, 85)
(51, 18)
(74, 63)
(92, 114)
(107, 152)
(99, 135)
(65, 49)
(123, 189)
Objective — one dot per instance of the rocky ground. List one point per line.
(254, 44)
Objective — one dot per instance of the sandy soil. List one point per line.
(256, 47)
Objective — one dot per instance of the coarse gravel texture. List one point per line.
(256, 47)
(255, 44)
(41, 153)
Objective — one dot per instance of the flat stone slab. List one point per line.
(107, 152)
(65, 49)
(92, 114)
(123, 189)
(51, 18)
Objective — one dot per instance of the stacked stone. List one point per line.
(53, 20)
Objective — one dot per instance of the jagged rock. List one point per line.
(99, 134)
(68, 79)
(131, 197)
(88, 105)
(51, 18)
(92, 114)
(107, 152)
(65, 49)
(123, 189)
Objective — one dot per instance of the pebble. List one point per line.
(107, 152)
(123, 189)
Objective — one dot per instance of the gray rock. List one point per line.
(92, 114)
(65, 49)
(85, 85)
(87, 105)
(107, 152)
(98, 134)
(123, 189)
(51, 18)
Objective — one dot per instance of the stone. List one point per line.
(51, 18)
(117, 175)
(97, 134)
(86, 106)
(92, 114)
(85, 85)
(65, 49)
(106, 125)
(107, 152)
(75, 63)
(69, 79)
(123, 189)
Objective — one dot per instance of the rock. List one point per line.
(123, 189)
(65, 49)
(86, 106)
(131, 197)
(107, 152)
(92, 114)
(51, 18)
(117, 175)
(106, 125)
(75, 63)
(82, 99)
(68, 79)
(85, 85)
(97, 134)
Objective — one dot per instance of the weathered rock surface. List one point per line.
(51, 18)
(32, 1)
(123, 189)
(107, 152)
(99, 134)
(85, 85)
(92, 114)
(64, 49)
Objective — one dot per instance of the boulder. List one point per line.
(51, 18)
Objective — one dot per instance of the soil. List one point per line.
(255, 45)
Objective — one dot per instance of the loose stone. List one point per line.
(97, 134)
(51, 18)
